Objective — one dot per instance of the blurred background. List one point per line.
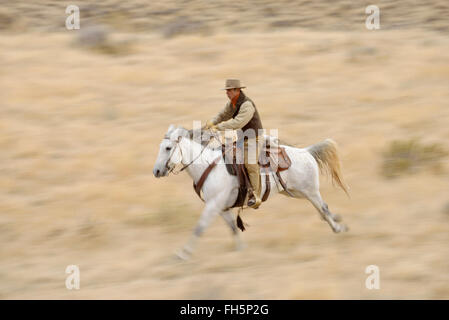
(82, 114)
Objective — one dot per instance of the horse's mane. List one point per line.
(199, 133)
(190, 133)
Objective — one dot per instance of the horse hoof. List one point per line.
(240, 246)
(341, 228)
(183, 255)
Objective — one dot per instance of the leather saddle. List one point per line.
(272, 159)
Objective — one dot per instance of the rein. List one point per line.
(180, 150)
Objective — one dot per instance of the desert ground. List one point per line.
(81, 121)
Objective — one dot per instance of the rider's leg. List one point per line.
(252, 166)
(254, 178)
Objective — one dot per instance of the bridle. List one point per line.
(180, 150)
(173, 152)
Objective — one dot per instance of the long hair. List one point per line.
(325, 154)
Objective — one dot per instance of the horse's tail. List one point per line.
(325, 154)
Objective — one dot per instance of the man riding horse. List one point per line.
(241, 113)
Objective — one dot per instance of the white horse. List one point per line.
(220, 190)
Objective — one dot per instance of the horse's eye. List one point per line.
(168, 148)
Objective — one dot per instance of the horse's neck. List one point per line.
(201, 159)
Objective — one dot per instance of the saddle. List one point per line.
(272, 159)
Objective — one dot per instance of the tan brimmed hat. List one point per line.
(232, 84)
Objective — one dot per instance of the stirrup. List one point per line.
(254, 202)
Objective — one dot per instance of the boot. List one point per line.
(254, 201)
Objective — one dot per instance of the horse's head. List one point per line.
(169, 151)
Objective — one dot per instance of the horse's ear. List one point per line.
(171, 128)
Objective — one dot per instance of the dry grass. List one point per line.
(80, 132)
(410, 156)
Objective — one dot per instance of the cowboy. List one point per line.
(241, 113)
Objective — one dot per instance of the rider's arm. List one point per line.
(245, 114)
(223, 115)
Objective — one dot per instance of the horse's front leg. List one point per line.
(228, 217)
(209, 213)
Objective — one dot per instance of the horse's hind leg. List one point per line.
(335, 216)
(323, 209)
(228, 217)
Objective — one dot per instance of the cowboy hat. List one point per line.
(232, 84)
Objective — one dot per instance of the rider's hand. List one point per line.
(209, 124)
